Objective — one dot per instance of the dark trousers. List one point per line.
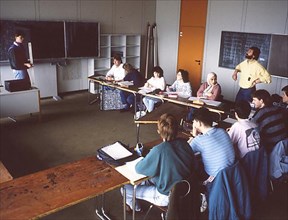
(245, 94)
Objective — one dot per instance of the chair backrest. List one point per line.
(278, 159)
(255, 164)
(229, 196)
(184, 201)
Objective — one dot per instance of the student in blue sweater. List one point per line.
(167, 163)
(133, 75)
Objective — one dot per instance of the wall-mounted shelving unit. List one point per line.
(127, 45)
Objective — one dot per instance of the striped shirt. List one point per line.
(272, 126)
(216, 149)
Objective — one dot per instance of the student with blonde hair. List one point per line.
(167, 163)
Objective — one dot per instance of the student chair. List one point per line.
(255, 164)
(184, 201)
(278, 163)
(229, 195)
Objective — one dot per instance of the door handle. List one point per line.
(198, 61)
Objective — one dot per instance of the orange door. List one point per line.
(190, 53)
(191, 39)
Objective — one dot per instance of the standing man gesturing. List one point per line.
(252, 73)
(17, 58)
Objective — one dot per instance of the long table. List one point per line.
(45, 192)
(179, 100)
(152, 117)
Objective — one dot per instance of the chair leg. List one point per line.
(271, 185)
(150, 207)
(163, 215)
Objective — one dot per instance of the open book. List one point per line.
(128, 170)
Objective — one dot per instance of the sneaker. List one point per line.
(139, 114)
(203, 203)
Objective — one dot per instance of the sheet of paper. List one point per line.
(116, 151)
(230, 120)
(193, 98)
(128, 170)
(145, 90)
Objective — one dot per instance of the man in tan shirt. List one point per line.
(252, 73)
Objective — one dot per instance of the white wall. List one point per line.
(132, 16)
(256, 16)
(243, 16)
(115, 17)
(167, 21)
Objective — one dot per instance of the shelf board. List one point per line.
(101, 69)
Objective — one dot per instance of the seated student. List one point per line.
(285, 103)
(270, 120)
(213, 144)
(244, 133)
(285, 96)
(116, 73)
(182, 85)
(210, 89)
(166, 164)
(111, 99)
(128, 98)
(157, 81)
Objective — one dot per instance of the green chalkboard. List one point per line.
(234, 46)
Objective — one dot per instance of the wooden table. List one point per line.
(176, 110)
(51, 190)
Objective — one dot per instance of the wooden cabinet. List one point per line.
(127, 45)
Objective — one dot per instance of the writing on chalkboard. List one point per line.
(234, 46)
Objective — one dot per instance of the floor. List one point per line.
(71, 129)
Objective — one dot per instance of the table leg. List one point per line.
(102, 209)
(124, 202)
(98, 212)
(134, 201)
(137, 132)
(89, 93)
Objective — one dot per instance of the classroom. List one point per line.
(69, 128)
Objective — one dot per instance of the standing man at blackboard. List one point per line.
(17, 58)
(252, 73)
